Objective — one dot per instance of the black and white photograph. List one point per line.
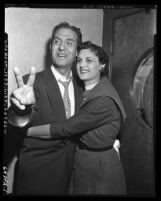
(79, 88)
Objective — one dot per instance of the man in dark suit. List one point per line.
(44, 165)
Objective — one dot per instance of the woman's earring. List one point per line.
(101, 69)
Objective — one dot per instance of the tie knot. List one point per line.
(65, 83)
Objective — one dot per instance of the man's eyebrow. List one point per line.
(71, 39)
(56, 37)
(68, 39)
(89, 58)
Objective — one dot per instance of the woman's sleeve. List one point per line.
(97, 112)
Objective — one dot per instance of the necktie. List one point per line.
(66, 99)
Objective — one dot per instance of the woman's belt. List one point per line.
(83, 146)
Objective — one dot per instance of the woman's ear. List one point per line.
(102, 67)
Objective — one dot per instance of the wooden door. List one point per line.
(127, 37)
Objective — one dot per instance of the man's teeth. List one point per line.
(61, 55)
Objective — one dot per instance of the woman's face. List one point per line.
(88, 66)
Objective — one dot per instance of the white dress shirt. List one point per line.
(58, 76)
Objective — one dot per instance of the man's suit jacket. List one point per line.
(44, 166)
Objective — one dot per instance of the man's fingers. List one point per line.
(17, 103)
(18, 77)
(31, 79)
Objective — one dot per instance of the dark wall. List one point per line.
(127, 35)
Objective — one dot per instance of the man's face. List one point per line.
(64, 48)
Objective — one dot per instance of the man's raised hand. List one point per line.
(24, 94)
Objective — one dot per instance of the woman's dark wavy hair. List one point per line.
(99, 52)
(68, 26)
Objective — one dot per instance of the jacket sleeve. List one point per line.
(97, 112)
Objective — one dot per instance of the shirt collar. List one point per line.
(59, 76)
(90, 86)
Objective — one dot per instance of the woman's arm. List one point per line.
(42, 131)
(99, 111)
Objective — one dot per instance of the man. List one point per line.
(44, 166)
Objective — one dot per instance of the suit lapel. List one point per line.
(54, 95)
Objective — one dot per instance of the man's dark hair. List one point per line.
(68, 26)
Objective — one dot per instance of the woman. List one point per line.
(97, 168)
